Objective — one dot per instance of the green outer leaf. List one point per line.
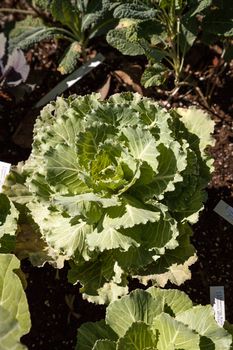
(155, 319)
(137, 306)
(134, 10)
(201, 6)
(201, 319)
(103, 279)
(174, 334)
(129, 214)
(154, 75)
(108, 239)
(64, 170)
(105, 345)
(142, 146)
(138, 336)
(8, 217)
(14, 312)
(174, 264)
(118, 39)
(199, 123)
(70, 59)
(98, 18)
(89, 333)
(32, 30)
(65, 13)
(176, 300)
(189, 29)
(64, 236)
(27, 24)
(219, 22)
(167, 173)
(36, 35)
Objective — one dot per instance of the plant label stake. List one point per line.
(217, 300)
(69, 81)
(4, 170)
(225, 211)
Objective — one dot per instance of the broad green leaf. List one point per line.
(89, 142)
(174, 335)
(64, 170)
(89, 333)
(70, 58)
(128, 215)
(201, 320)
(8, 217)
(138, 306)
(25, 25)
(15, 187)
(134, 10)
(109, 239)
(118, 39)
(188, 31)
(152, 236)
(65, 129)
(173, 300)
(103, 280)
(142, 146)
(14, 312)
(105, 345)
(201, 6)
(174, 264)
(200, 124)
(154, 75)
(98, 18)
(10, 332)
(165, 178)
(65, 13)
(68, 202)
(219, 22)
(134, 259)
(137, 337)
(31, 31)
(65, 236)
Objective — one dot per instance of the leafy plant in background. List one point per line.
(111, 186)
(154, 319)
(164, 30)
(218, 27)
(14, 69)
(79, 21)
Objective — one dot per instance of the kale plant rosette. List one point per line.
(111, 186)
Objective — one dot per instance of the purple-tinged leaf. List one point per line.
(17, 63)
(2, 45)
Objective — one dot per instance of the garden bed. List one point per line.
(56, 306)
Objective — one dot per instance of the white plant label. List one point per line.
(217, 300)
(225, 211)
(70, 80)
(4, 170)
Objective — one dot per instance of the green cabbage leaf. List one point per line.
(155, 319)
(14, 313)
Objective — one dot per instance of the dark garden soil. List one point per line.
(56, 306)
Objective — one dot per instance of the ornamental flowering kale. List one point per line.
(112, 186)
